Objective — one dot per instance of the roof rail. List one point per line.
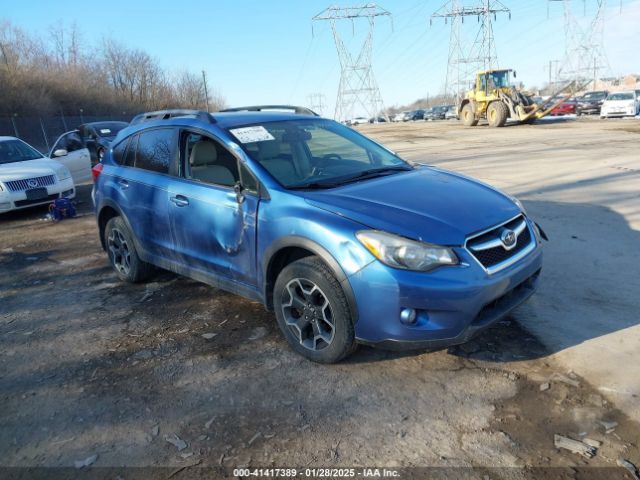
(167, 114)
(261, 108)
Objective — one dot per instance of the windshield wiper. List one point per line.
(365, 174)
(374, 172)
(314, 186)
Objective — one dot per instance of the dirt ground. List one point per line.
(90, 366)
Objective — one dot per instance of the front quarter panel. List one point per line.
(287, 220)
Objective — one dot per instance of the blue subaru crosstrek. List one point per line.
(346, 241)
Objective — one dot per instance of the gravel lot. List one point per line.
(90, 366)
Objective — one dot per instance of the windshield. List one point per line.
(109, 129)
(17, 151)
(621, 96)
(316, 153)
(495, 79)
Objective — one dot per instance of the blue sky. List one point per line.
(263, 51)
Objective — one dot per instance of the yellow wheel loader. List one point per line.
(495, 99)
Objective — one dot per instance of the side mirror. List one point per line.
(61, 152)
(238, 190)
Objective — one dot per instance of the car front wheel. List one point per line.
(312, 311)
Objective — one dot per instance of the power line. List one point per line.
(357, 86)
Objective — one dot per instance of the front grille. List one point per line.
(24, 203)
(22, 185)
(489, 250)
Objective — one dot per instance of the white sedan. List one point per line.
(28, 178)
(620, 104)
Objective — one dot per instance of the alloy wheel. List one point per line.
(308, 314)
(119, 250)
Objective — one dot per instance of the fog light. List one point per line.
(408, 316)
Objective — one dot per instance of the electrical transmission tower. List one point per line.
(584, 54)
(464, 59)
(358, 87)
(316, 102)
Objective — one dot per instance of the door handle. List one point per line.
(123, 184)
(180, 200)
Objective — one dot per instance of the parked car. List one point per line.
(97, 136)
(415, 115)
(347, 242)
(357, 121)
(437, 113)
(28, 178)
(377, 120)
(567, 107)
(451, 113)
(70, 149)
(621, 104)
(591, 103)
(400, 117)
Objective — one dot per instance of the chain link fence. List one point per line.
(42, 132)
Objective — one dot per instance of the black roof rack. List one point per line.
(262, 108)
(167, 114)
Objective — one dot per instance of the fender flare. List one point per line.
(319, 251)
(114, 206)
(465, 102)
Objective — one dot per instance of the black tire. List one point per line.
(497, 114)
(468, 116)
(122, 252)
(312, 311)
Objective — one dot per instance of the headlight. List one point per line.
(400, 252)
(63, 173)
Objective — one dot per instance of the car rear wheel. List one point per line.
(122, 252)
(312, 311)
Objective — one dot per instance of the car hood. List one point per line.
(427, 204)
(28, 169)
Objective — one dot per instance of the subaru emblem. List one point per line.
(508, 238)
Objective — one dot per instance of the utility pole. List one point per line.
(206, 92)
(358, 87)
(464, 60)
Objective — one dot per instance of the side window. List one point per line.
(249, 183)
(70, 142)
(206, 160)
(155, 150)
(120, 150)
(130, 155)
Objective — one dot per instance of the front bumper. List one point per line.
(10, 200)
(452, 303)
(619, 112)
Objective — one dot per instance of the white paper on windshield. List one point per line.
(105, 130)
(252, 134)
